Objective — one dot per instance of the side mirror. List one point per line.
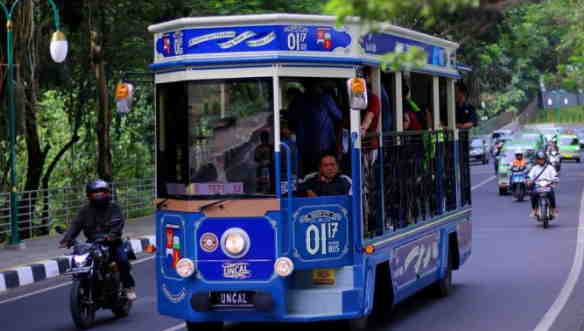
(357, 88)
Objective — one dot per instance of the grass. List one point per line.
(567, 115)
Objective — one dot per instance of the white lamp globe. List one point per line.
(59, 47)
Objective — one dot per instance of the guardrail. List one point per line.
(42, 212)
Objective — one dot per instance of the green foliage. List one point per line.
(371, 11)
(565, 115)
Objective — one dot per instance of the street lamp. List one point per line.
(58, 48)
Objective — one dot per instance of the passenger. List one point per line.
(264, 157)
(313, 117)
(370, 115)
(415, 114)
(466, 114)
(541, 171)
(288, 137)
(327, 181)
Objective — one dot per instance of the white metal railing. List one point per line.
(40, 212)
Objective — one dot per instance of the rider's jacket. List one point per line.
(519, 164)
(548, 173)
(97, 221)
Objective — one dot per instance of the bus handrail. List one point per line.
(288, 180)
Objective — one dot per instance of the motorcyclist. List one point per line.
(519, 164)
(101, 218)
(497, 148)
(542, 171)
(552, 145)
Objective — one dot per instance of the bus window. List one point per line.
(226, 135)
(421, 94)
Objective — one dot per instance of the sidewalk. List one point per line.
(42, 259)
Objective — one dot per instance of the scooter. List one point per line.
(544, 209)
(518, 184)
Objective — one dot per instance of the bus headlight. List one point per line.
(284, 266)
(185, 267)
(235, 243)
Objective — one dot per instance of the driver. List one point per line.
(101, 217)
(540, 172)
(519, 164)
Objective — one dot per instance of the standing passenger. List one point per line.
(312, 117)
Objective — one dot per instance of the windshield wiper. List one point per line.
(202, 208)
(235, 197)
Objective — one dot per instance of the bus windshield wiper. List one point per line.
(235, 197)
(211, 204)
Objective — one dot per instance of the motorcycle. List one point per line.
(544, 210)
(96, 284)
(555, 161)
(518, 184)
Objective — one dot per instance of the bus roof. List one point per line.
(274, 38)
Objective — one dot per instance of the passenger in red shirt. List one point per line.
(370, 116)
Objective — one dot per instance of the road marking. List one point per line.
(61, 285)
(176, 327)
(550, 316)
(483, 183)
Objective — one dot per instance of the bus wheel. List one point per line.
(443, 286)
(360, 324)
(204, 326)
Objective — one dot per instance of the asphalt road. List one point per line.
(516, 272)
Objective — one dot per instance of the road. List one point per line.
(515, 274)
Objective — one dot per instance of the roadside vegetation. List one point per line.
(564, 115)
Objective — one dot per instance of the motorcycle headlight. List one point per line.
(81, 260)
(235, 243)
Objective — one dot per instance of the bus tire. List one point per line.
(443, 286)
(204, 326)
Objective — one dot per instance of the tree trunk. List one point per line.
(104, 116)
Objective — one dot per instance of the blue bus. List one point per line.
(242, 104)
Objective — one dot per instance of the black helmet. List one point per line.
(540, 155)
(95, 186)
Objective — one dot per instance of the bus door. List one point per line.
(314, 121)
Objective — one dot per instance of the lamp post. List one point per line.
(58, 49)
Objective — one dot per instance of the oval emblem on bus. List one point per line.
(209, 242)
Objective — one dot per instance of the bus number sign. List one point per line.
(320, 234)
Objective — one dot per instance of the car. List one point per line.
(569, 146)
(496, 135)
(532, 141)
(479, 150)
(580, 134)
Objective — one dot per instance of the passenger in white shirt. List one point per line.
(540, 172)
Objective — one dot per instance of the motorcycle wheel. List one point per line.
(123, 307)
(82, 312)
(521, 193)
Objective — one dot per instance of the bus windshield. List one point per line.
(227, 146)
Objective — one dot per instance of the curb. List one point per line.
(43, 270)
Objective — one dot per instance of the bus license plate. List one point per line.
(232, 299)
(568, 155)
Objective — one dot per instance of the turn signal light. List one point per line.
(370, 249)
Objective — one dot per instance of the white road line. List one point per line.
(176, 327)
(550, 316)
(482, 183)
(61, 285)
